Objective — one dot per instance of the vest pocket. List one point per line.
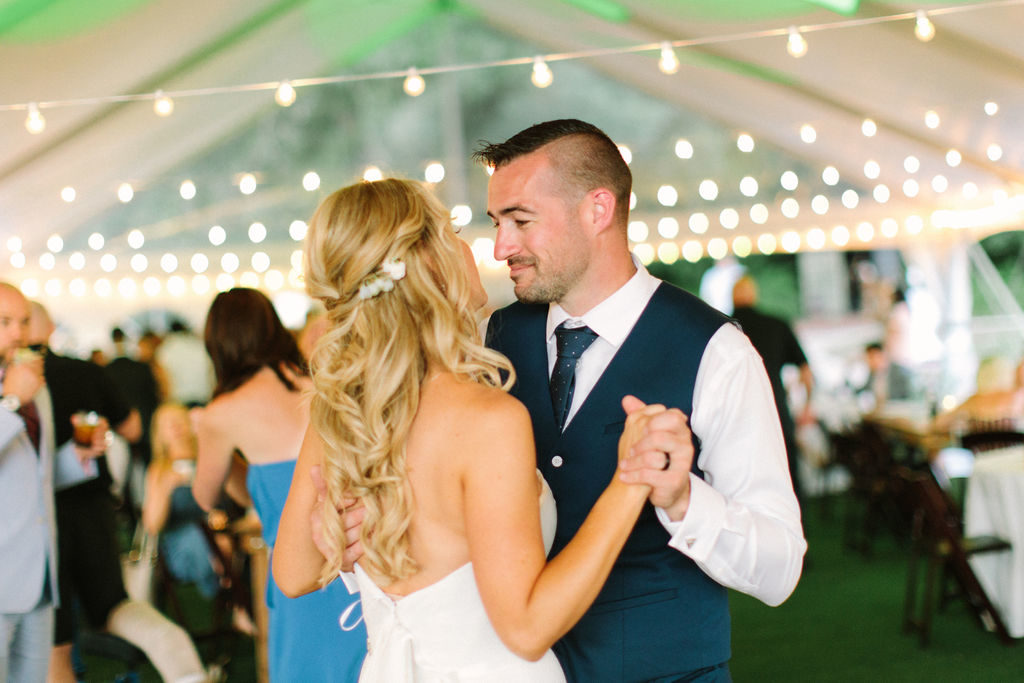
(615, 427)
(635, 601)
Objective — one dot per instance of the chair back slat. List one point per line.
(990, 435)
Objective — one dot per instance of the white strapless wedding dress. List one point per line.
(441, 633)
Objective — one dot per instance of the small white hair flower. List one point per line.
(383, 279)
(394, 268)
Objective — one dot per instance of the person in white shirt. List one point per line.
(721, 494)
(186, 365)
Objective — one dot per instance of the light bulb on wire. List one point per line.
(35, 123)
(285, 94)
(924, 29)
(796, 45)
(541, 75)
(187, 189)
(414, 84)
(125, 192)
(669, 62)
(162, 104)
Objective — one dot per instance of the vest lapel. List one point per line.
(531, 364)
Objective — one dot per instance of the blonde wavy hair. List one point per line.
(370, 364)
(158, 444)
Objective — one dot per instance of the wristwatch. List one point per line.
(10, 402)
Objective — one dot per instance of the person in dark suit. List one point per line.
(775, 340)
(138, 384)
(722, 510)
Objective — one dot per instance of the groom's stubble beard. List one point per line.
(547, 287)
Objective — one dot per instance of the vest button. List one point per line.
(557, 461)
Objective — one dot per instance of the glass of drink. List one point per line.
(84, 423)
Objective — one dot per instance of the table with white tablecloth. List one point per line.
(995, 506)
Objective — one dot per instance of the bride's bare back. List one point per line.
(458, 424)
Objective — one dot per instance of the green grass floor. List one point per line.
(841, 624)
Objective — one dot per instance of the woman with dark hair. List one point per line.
(260, 411)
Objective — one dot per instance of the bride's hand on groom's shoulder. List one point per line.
(352, 513)
(659, 454)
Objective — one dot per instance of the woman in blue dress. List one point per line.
(260, 410)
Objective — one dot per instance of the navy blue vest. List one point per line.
(658, 614)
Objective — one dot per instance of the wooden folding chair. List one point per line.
(234, 592)
(870, 500)
(937, 536)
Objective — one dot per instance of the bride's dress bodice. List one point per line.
(442, 633)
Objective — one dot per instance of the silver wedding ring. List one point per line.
(668, 461)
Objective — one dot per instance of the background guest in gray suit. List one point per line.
(28, 567)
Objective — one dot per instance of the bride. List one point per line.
(411, 416)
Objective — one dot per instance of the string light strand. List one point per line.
(658, 47)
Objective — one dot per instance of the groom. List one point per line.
(722, 510)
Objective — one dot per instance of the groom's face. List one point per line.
(538, 230)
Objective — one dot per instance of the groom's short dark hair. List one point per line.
(588, 159)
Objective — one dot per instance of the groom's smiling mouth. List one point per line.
(517, 265)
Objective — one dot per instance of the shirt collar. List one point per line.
(613, 318)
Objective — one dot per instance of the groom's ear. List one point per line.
(599, 209)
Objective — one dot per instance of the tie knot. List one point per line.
(571, 342)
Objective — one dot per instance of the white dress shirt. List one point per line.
(742, 527)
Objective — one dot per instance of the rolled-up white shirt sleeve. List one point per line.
(742, 526)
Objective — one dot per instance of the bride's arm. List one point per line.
(532, 604)
(297, 561)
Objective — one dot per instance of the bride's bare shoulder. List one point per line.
(459, 420)
(475, 405)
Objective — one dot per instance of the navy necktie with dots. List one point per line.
(570, 343)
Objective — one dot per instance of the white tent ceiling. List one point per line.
(736, 77)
